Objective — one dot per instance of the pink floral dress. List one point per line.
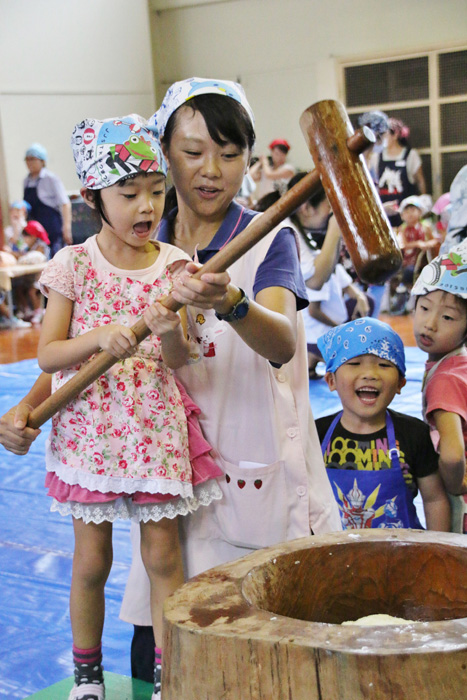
(122, 448)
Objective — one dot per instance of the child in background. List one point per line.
(121, 449)
(414, 235)
(376, 458)
(440, 329)
(415, 241)
(18, 215)
(33, 248)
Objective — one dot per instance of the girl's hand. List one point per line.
(208, 292)
(161, 320)
(14, 435)
(119, 341)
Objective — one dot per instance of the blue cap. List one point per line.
(35, 150)
(20, 204)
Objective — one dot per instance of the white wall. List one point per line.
(60, 61)
(286, 52)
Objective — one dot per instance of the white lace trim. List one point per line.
(124, 509)
(115, 484)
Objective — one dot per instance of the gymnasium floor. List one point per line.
(36, 546)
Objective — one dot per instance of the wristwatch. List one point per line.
(239, 310)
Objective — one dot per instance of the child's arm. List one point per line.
(56, 351)
(451, 450)
(325, 261)
(170, 327)
(362, 306)
(435, 503)
(315, 310)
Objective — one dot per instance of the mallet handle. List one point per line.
(221, 261)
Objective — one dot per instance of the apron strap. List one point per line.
(393, 450)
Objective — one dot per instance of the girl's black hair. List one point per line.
(96, 196)
(227, 121)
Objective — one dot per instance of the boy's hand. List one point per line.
(14, 435)
(118, 341)
(161, 320)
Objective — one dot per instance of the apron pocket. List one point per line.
(253, 510)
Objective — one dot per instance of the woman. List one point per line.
(272, 173)
(399, 167)
(249, 374)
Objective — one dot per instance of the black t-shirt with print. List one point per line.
(371, 451)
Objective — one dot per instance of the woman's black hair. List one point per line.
(227, 121)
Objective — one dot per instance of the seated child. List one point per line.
(376, 458)
(33, 247)
(18, 215)
(7, 318)
(416, 240)
(440, 329)
(414, 236)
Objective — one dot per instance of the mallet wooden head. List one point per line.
(349, 187)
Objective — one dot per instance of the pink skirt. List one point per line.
(203, 467)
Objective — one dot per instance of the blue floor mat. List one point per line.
(36, 549)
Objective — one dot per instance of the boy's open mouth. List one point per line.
(367, 394)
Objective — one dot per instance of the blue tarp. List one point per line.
(36, 548)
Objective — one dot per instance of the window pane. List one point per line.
(451, 163)
(427, 171)
(453, 73)
(454, 124)
(395, 81)
(418, 121)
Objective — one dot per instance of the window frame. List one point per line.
(433, 102)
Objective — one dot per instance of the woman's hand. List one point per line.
(208, 292)
(119, 341)
(15, 436)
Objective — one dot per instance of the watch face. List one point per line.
(241, 310)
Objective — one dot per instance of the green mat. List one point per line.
(116, 687)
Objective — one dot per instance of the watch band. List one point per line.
(239, 310)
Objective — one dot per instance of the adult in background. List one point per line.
(398, 167)
(46, 195)
(272, 173)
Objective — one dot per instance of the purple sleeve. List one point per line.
(281, 268)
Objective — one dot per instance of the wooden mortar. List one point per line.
(267, 626)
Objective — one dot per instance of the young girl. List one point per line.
(440, 329)
(120, 450)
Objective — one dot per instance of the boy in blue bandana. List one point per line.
(376, 458)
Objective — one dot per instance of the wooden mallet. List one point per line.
(341, 170)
